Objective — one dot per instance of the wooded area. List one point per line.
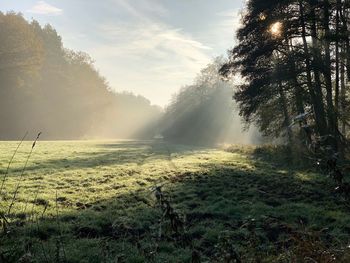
(59, 91)
(248, 162)
(294, 58)
(204, 113)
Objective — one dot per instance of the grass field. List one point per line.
(89, 201)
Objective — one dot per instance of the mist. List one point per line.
(48, 88)
(204, 113)
(127, 117)
(60, 93)
(244, 159)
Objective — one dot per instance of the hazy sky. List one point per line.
(149, 47)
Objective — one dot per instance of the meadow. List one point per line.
(151, 201)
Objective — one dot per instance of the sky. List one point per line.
(149, 47)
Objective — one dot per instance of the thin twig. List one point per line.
(10, 162)
(22, 173)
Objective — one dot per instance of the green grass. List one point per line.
(86, 201)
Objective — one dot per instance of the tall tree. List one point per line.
(45, 87)
(310, 39)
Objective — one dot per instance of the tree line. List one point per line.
(203, 112)
(46, 87)
(294, 60)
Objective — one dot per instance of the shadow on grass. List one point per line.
(218, 202)
(112, 154)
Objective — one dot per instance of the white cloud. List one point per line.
(156, 45)
(228, 13)
(143, 8)
(231, 19)
(146, 34)
(147, 55)
(224, 28)
(43, 8)
(138, 50)
(135, 39)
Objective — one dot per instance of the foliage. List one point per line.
(203, 113)
(58, 91)
(294, 58)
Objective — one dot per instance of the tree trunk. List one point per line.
(298, 91)
(337, 70)
(331, 115)
(345, 63)
(284, 106)
(316, 97)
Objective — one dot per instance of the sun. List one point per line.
(276, 29)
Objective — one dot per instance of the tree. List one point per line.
(296, 52)
(203, 113)
(45, 87)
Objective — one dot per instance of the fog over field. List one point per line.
(170, 131)
(64, 93)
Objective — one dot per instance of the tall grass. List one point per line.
(22, 173)
(10, 162)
